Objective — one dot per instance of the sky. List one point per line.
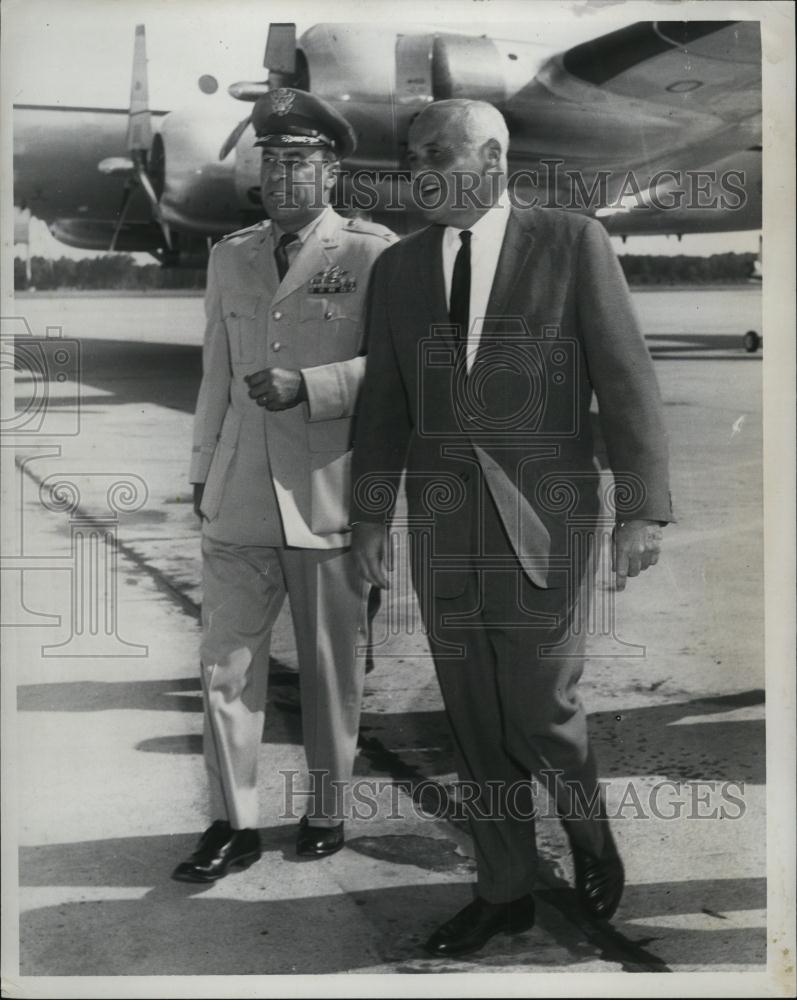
(79, 53)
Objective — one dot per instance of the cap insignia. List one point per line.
(282, 100)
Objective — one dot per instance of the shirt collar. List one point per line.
(305, 231)
(490, 225)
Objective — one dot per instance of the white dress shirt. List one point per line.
(485, 248)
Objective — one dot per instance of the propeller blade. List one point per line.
(232, 139)
(149, 190)
(126, 193)
(139, 121)
(280, 54)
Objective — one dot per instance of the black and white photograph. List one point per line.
(398, 498)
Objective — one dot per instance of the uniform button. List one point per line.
(276, 345)
(277, 314)
(328, 315)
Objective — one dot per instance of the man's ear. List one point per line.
(491, 151)
(333, 172)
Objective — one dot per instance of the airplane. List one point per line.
(653, 128)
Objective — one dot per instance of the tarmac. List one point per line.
(103, 592)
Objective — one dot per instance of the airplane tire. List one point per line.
(751, 341)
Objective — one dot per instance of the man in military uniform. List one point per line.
(282, 366)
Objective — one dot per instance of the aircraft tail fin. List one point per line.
(139, 143)
(280, 57)
(280, 60)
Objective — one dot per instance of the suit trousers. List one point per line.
(508, 657)
(244, 589)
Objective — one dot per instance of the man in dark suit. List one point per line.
(488, 333)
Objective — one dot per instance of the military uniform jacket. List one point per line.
(288, 467)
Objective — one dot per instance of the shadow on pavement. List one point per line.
(138, 861)
(180, 694)
(175, 934)
(175, 928)
(660, 741)
(637, 741)
(164, 374)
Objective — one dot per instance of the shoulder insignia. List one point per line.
(366, 228)
(257, 227)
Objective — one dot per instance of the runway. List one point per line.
(682, 317)
(109, 769)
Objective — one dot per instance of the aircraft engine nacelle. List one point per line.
(380, 80)
(463, 66)
(197, 191)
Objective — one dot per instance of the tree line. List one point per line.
(718, 269)
(113, 271)
(121, 272)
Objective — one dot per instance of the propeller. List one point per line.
(280, 60)
(231, 141)
(139, 144)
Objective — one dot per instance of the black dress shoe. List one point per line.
(220, 848)
(599, 880)
(318, 841)
(473, 927)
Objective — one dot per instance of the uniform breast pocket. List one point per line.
(337, 326)
(240, 318)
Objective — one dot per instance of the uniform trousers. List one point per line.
(508, 657)
(244, 587)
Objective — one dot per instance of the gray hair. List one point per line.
(480, 121)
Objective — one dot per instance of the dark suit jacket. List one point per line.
(560, 326)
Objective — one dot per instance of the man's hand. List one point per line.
(199, 489)
(277, 388)
(371, 553)
(635, 546)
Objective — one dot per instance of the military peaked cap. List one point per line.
(286, 117)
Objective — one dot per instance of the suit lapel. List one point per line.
(430, 278)
(512, 261)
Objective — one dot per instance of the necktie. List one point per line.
(281, 253)
(459, 307)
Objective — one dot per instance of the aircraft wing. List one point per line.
(655, 100)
